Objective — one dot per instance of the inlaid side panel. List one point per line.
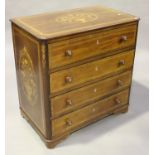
(27, 58)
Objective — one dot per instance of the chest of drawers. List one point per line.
(73, 68)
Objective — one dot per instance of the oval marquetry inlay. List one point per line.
(27, 76)
(77, 18)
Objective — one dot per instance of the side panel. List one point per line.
(29, 78)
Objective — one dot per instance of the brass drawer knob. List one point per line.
(69, 122)
(117, 101)
(123, 38)
(68, 53)
(68, 79)
(68, 102)
(119, 83)
(121, 62)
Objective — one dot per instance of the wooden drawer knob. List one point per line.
(68, 79)
(68, 122)
(119, 83)
(68, 53)
(123, 39)
(117, 101)
(68, 102)
(121, 62)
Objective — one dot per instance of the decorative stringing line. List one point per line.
(43, 49)
(31, 27)
(63, 31)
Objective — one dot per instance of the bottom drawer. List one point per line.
(74, 119)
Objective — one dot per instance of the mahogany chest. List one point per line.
(73, 68)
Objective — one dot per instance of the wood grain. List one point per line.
(89, 71)
(70, 101)
(51, 25)
(72, 120)
(28, 70)
(73, 68)
(91, 45)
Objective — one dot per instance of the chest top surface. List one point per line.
(51, 25)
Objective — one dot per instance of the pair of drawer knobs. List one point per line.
(69, 101)
(122, 39)
(68, 79)
(70, 123)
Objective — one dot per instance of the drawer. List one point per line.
(86, 73)
(74, 49)
(77, 98)
(82, 116)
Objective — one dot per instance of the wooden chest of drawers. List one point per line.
(73, 68)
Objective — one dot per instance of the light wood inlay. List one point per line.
(46, 26)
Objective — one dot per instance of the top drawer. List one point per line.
(80, 47)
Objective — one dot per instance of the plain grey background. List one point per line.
(124, 134)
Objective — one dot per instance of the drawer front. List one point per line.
(77, 98)
(76, 76)
(72, 120)
(79, 48)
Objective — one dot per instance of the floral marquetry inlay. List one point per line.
(27, 76)
(77, 18)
